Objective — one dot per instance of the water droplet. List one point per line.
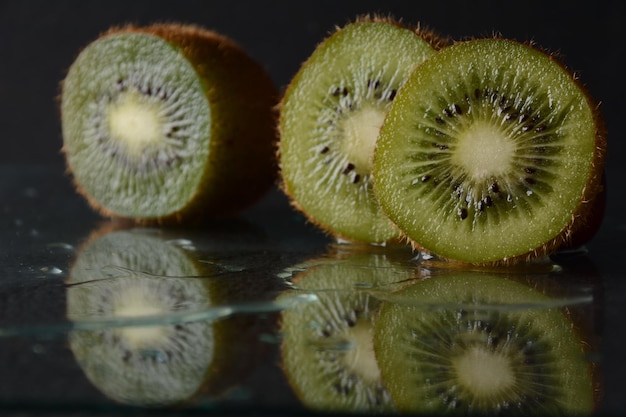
(53, 270)
(61, 245)
(183, 243)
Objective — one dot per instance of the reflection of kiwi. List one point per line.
(168, 122)
(330, 118)
(327, 351)
(481, 344)
(170, 355)
(491, 152)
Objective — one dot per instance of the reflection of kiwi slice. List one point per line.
(327, 350)
(330, 118)
(168, 122)
(491, 152)
(473, 343)
(148, 333)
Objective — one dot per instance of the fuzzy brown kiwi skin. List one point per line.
(590, 224)
(242, 167)
(436, 40)
(587, 217)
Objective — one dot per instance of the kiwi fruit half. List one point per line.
(152, 327)
(168, 123)
(330, 117)
(327, 346)
(481, 344)
(491, 152)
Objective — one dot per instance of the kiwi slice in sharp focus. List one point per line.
(491, 152)
(330, 118)
(168, 123)
(327, 347)
(148, 327)
(481, 344)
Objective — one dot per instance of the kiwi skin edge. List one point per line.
(242, 165)
(587, 217)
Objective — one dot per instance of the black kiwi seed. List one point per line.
(494, 187)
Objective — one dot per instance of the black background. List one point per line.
(40, 39)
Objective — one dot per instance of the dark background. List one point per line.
(40, 39)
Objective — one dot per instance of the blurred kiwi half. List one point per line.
(168, 123)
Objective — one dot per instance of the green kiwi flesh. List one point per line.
(167, 123)
(490, 153)
(327, 345)
(129, 275)
(470, 343)
(330, 118)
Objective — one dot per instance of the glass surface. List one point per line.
(264, 313)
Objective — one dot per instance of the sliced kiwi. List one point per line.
(327, 350)
(168, 123)
(481, 344)
(152, 322)
(330, 118)
(491, 152)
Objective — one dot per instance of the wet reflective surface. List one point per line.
(263, 313)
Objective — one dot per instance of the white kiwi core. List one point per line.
(483, 150)
(360, 357)
(484, 373)
(135, 123)
(361, 130)
(135, 303)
